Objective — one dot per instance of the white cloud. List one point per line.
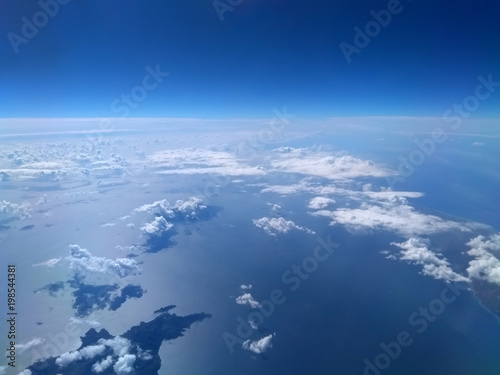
(81, 261)
(320, 202)
(22, 210)
(68, 357)
(400, 218)
(201, 161)
(259, 346)
(278, 225)
(191, 207)
(88, 352)
(246, 287)
(486, 265)
(157, 226)
(321, 164)
(91, 323)
(125, 364)
(102, 365)
(247, 299)
(120, 345)
(29, 345)
(25, 372)
(416, 251)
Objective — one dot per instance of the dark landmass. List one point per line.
(89, 298)
(156, 243)
(488, 294)
(135, 350)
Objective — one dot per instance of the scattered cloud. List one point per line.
(416, 251)
(22, 211)
(190, 208)
(157, 226)
(247, 299)
(82, 261)
(246, 287)
(486, 262)
(272, 226)
(102, 365)
(318, 203)
(259, 346)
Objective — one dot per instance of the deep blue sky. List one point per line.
(264, 54)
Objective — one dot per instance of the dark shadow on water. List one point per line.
(155, 244)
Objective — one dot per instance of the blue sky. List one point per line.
(261, 55)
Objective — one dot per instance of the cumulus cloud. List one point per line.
(189, 208)
(259, 346)
(87, 352)
(23, 210)
(125, 364)
(320, 202)
(247, 299)
(246, 287)
(82, 261)
(272, 226)
(102, 365)
(486, 263)
(416, 251)
(119, 345)
(157, 226)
